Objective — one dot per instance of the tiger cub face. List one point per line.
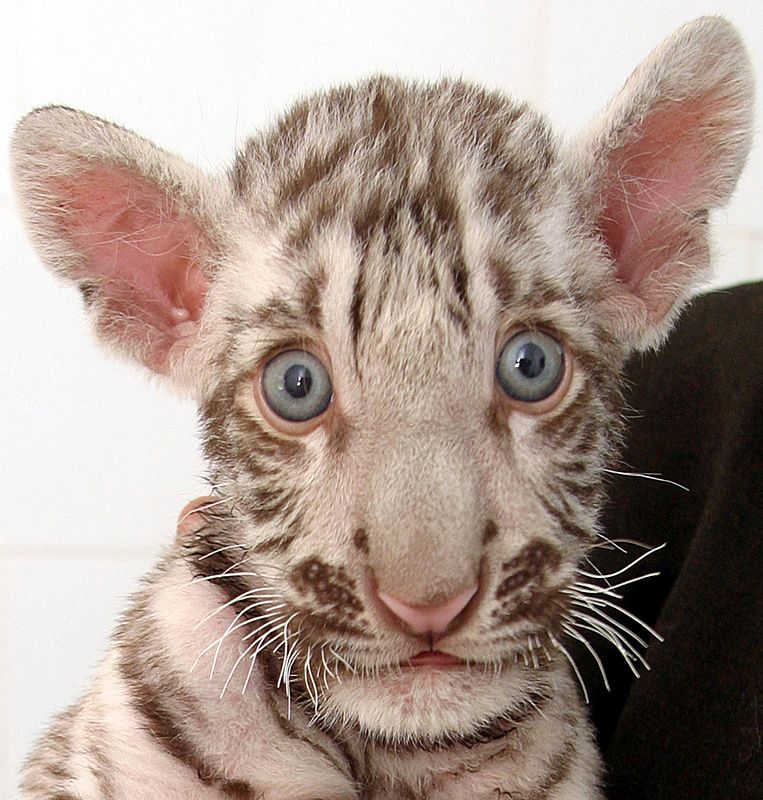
(403, 313)
(411, 415)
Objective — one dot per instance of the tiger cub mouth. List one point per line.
(433, 658)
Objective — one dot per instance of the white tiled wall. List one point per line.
(97, 459)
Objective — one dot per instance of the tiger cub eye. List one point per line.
(530, 366)
(296, 386)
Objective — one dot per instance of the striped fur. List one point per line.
(400, 232)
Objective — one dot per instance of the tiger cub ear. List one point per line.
(132, 225)
(667, 150)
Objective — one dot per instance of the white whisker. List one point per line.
(225, 574)
(232, 627)
(257, 646)
(326, 668)
(341, 660)
(637, 579)
(310, 680)
(648, 476)
(285, 644)
(288, 665)
(625, 568)
(230, 630)
(624, 647)
(615, 607)
(269, 621)
(563, 650)
(260, 593)
(221, 550)
(575, 635)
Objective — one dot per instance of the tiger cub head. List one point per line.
(403, 313)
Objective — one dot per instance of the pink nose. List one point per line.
(429, 619)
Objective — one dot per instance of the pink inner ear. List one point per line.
(142, 255)
(656, 183)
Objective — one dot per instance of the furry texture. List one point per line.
(400, 232)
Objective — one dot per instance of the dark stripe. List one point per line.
(541, 607)
(385, 127)
(503, 282)
(356, 308)
(275, 544)
(566, 524)
(458, 316)
(274, 313)
(157, 705)
(204, 562)
(334, 605)
(603, 367)
(329, 586)
(587, 439)
(500, 726)
(288, 728)
(157, 694)
(368, 218)
(461, 281)
(257, 437)
(89, 292)
(238, 790)
(503, 725)
(339, 432)
(542, 292)
(537, 556)
(59, 772)
(310, 292)
(360, 540)
(587, 493)
(315, 216)
(150, 703)
(559, 428)
(579, 469)
(233, 438)
(269, 501)
(381, 297)
(316, 624)
(318, 167)
(52, 760)
(103, 769)
(490, 532)
(558, 770)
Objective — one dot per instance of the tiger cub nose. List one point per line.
(428, 618)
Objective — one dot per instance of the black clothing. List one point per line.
(693, 726)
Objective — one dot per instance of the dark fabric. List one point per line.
(693, 726)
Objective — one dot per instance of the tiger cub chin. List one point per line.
(403, 314)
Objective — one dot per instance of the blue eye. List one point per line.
(530, 366)
(296, 386)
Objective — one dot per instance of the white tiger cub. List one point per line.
(403, 314)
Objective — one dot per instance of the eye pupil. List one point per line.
(298, 381)
(530, 360)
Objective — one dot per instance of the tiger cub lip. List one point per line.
(434, 658)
